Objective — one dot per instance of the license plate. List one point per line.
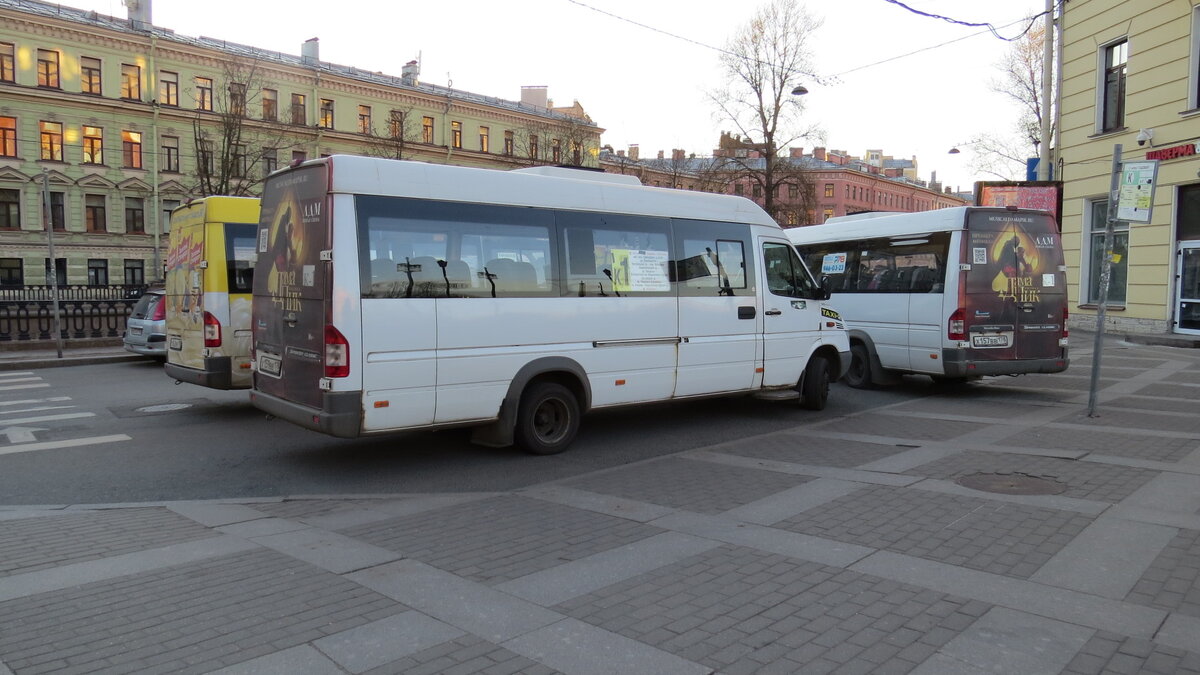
(989, 340)
(176, 343)
(135, 331)
(268, 364)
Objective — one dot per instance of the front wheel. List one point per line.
(816, 384)
(547, 419)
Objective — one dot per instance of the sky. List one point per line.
(642, 69)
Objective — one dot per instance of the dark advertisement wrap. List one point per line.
(1015, 287)
(290, 285)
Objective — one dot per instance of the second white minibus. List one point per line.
(952, 293)
(394, 295)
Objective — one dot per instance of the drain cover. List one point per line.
(1011, 484)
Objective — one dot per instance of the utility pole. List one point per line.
(1043, 167)
(48, 223)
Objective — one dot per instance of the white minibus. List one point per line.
(392, 295)
(953, 293)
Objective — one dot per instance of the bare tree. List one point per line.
(400, 132)
(764, 62)
(564, 141)
(231, 147)
(1003, 155)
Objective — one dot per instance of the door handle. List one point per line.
(773, 312)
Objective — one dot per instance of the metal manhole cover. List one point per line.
(1011, 484)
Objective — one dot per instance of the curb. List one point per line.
(1163, 340)
(86, 360)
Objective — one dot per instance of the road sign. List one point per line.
(1137, 191)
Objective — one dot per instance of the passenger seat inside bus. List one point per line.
(513, 276)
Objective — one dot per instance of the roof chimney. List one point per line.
(677, 154)
(633, 151)
(536, 96)
(410, 73)
(139, 14)
(819, 153)
(310, 52)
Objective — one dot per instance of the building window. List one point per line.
(556, 151)
(131, 149)
(364, 119)
(791, 219)
(739, 189)
(270, 105)
(1097, 216)
(89, 75)
(52, 141)
(427, 130)
(396, 124)
(757, 191)
(8, 137)
(508, 143)
(299, 115)
(241, 164)
(47, 68)
(204, 93)
(237, 99)
(168, 205)
(577, 154)
(131, 82)
(326, 120)
(60, 271)
(58, 220)
(456, 134)
(299, 155)
(8, 52)
(533, 146)
(828, 190)
(97, 272)
(204, 156)
(270, 160)
(135, 215)
(1194, 76)
(94, 213)
(828, 213)
(170, 149)
(12, 272)
(93, 145)
(483, 139)
(1112, 92)
(10, 209)
(168, 88)
(135, 272)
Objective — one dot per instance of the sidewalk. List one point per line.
(25, 359)
(989, 528)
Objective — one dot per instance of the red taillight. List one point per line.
(337, 353)
(1065, 321)
(956, 329)
(160, 310)
(212, 331)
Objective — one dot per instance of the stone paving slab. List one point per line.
(31, 544)
(996, 537)
(501, 538)
(1108, 441)
(1111, 654)
(913, 429)
(1084, 480)
(1172, 580)
(1150, 403)
(802, 448)
(1153, 419)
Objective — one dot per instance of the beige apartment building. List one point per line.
(115, 121)
(1131, 75)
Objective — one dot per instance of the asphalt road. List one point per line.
(141, 438)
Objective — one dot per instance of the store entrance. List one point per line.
(1187, 261)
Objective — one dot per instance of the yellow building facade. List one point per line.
(117, 121)
(1130, 75)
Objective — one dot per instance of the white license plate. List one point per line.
(269, 364)
(176, 343)
(135, 331)
(989, 340)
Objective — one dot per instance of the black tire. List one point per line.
(859, 374)
(547, 419)
(816, 384)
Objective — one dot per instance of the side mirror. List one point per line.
(826, 287)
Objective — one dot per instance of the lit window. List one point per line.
(299, 114)
(326, 120)
(93, 145)
(8, 137)
(89, 75)
(364, 119)
(270, 102)
(131, 149)
(204, 93)
(456, 134)
(508, 143)
(237, 99)
(52, 140)
(427, 130)
(47, 68)
(168, 88)
(483, 139)
(7, 61)
(131, 82)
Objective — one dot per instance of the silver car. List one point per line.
(146, 331)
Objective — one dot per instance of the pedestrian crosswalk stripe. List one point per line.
(25, 386)
(70, 443)
(48, 418)
(29, 401)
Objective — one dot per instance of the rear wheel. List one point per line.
(859, 373)
(547, 419)
(816, 383)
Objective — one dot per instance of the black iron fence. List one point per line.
(27, 312)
